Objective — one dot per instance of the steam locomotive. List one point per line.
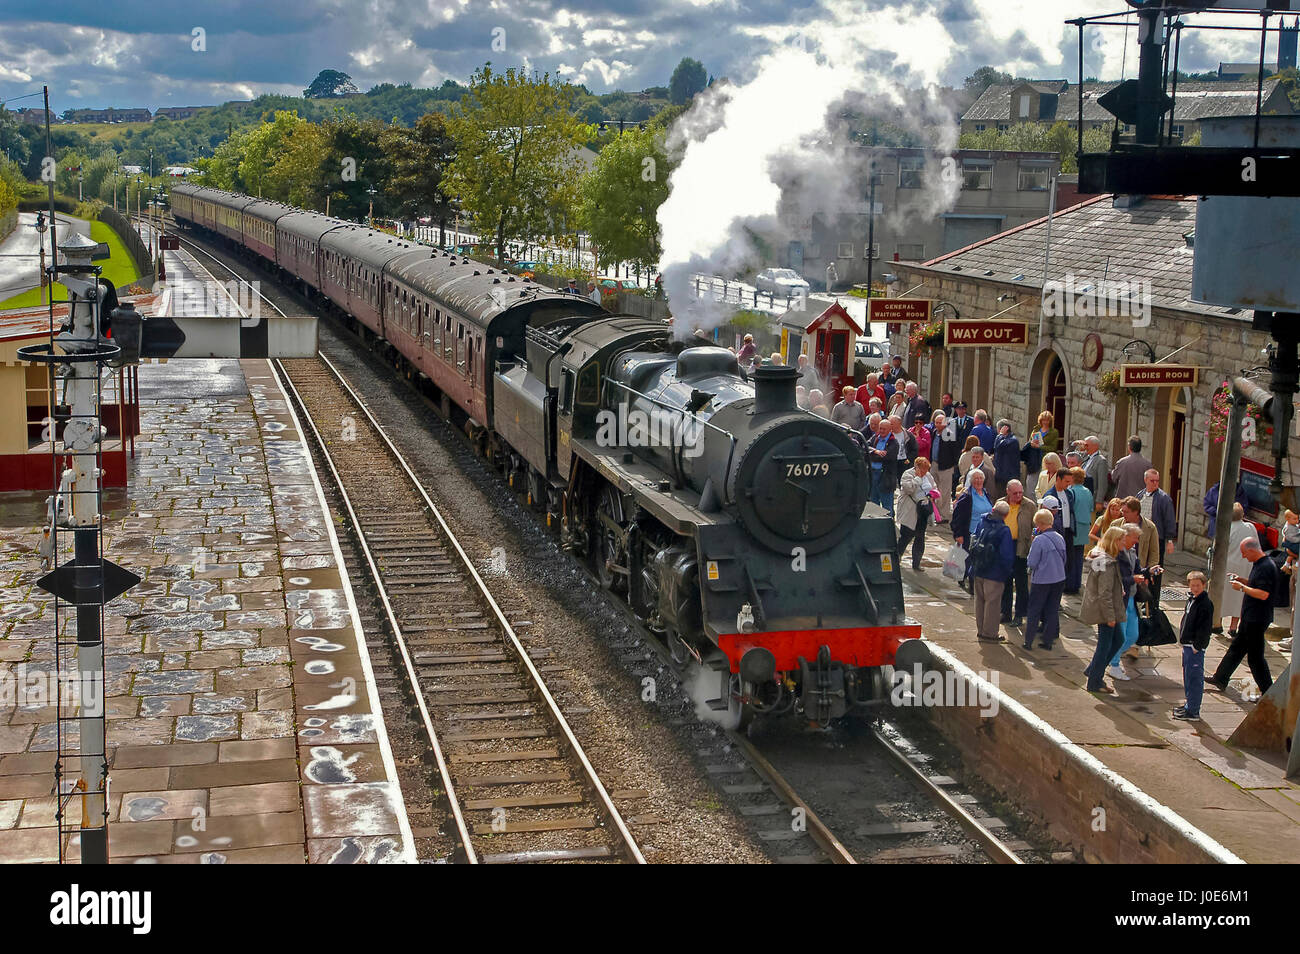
(730, 520)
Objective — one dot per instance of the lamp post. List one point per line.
(80, 198)
(139, 182)
(372, 192)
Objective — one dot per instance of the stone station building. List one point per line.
(1136, 253)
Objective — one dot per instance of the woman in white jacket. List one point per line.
(913, 507)
(1242, 529)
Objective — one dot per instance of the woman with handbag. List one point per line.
(967, 514)
(1132, 579)
(914, 504)
(1103, 604)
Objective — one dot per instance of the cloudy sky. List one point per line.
(133, 53)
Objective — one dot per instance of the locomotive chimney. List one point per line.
(774, 389)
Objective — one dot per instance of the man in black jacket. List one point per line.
(1256, 614)
(916, 409)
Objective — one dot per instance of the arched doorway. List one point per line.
(1170, 445)
(1049, 388)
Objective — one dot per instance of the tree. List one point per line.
(621, 196)
(1039, 137)
(983, 78)
(296, 177)
(262, 149)
(351, 164)
(515, 171)
(330, 84)
(417, 163)
(688, 79)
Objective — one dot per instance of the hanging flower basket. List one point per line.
(1110, 384)
(1256, 428)
(925, 338)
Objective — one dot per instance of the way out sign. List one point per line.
(983, 333)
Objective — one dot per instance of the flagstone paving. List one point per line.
(206, 664)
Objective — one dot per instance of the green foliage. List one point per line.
(89, 209)
(417, 162)
(8, 198)
(347, 137)
(1039, 137)
(330, 84)
(1289, 80)
(515, 172)
(688, 79)
(983, 78)
(621, 196)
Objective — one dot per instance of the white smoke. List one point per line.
(759, 159)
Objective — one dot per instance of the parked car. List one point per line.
(869, 357)
(781, 282)
(874, 353)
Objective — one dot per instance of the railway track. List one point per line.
(482, 696)
(518, 785)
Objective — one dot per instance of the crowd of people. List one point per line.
(1035, 519)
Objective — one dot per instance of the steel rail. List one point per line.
(376, 579)
(426, 719)
(612, 814)
(818, 829)
(990, 842)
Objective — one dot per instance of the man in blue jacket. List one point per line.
(1210, 503)
(983, 430)
(994, 556)
(1158, 507)
(1006, 457)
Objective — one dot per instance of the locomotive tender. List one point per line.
(730, 520)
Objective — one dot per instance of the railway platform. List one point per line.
(244, 723)
(1239, 798)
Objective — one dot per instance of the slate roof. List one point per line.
(1195, 100)
(1095, 240)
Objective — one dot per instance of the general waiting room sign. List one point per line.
(985, 333)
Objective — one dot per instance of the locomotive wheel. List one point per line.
(741, 715)
(605, 544)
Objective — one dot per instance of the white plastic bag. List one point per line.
(954, 564)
